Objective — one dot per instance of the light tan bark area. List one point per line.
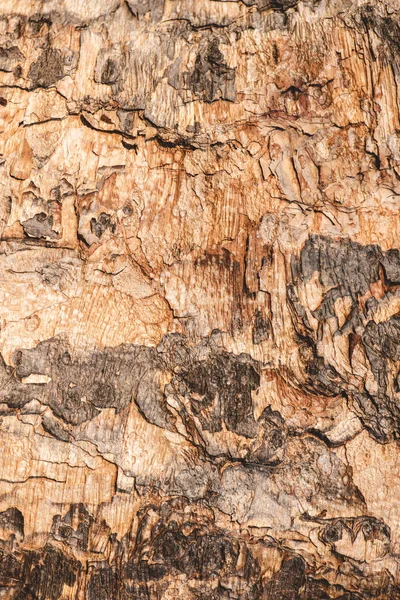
(200, 299)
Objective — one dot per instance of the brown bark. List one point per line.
(200, 299)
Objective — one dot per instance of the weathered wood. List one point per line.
(200, 299)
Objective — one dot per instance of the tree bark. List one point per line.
(200, 299)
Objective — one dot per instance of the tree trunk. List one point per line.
(200, 299)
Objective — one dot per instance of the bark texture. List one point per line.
(200, 299)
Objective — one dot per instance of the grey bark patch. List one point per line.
(382, 345)
(55, 427)
(344, 265)
(12, 522)
(318, 589)
(38, 575)
(48, 68)
(220, 392)
(397, 382)
(209, 385)
(211, 78)
(51, 570)
(296, 580)
(11, 571)
(252, 490)
(212, 389)
(182, 542)
(262, 328)
(282, 5)
(391, 264)
(218, 384)
(110, 66)
(348, 269)
(377, 415)
(141, 7)
(61, 274)
(271, 449)
(104, 584)
(151, 402)
(126, 119)
(100, 225)
(40, 226)
(103, 395)
(175, 538)
(368, 528)
(383, 338)
(288, 581)
(36, 22)
(81, 387)
(109, 73)
(10, 58)
(73, 529)
(387, 28)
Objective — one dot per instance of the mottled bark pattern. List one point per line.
(200, 300)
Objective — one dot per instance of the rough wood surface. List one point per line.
(200, 299)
